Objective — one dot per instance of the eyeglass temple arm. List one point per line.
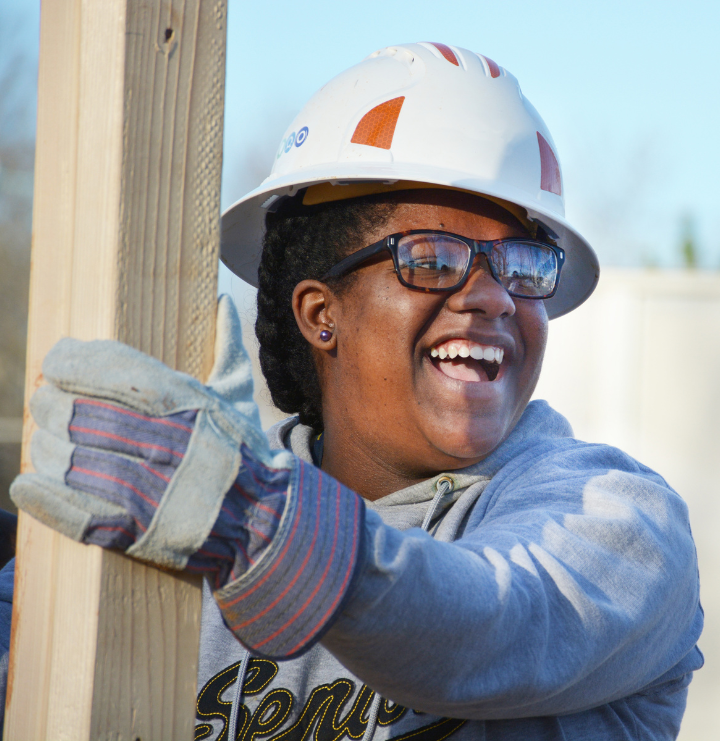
(356, 258)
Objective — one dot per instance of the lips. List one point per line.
(465, 360)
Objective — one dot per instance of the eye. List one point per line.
(532, 284)
(525, 268)
(427, 263)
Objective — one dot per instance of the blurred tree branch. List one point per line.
(17, 144)
(18, 94)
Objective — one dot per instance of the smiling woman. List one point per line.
(420, 552)
(391, 413)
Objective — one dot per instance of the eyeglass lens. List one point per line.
(439, 261)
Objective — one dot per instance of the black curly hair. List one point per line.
(304, 242)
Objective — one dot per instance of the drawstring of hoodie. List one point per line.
(237, 700)
(443, 486)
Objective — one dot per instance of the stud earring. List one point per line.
(326, 335)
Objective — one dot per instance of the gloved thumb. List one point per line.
(231, 375)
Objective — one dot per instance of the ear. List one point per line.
(313, 304)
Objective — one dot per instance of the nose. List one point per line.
(482, 293)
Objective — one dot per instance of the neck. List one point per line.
(360, 468)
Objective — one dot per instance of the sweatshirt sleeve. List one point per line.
(574, 584)
(286, 601)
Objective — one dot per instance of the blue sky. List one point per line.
(628, 89)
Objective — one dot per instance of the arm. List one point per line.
(573, 586)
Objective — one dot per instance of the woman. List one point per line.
(413, 249)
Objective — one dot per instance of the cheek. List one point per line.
(533, 324)
(533, 332)
(380, 327)
(376, 351)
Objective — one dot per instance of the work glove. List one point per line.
(132, 455)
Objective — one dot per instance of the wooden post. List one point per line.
(125, 245)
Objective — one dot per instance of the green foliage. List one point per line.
(688, 243)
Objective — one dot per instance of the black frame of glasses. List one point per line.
(477, 247)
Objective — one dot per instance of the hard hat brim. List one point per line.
(243, 224)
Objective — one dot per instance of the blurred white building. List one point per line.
(638, 366)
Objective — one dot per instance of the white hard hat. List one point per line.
(411, 115)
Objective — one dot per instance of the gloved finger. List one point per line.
(51, 456)
(52, 410)
(113, 371)
(231, 376)
(107, 426)
(66, 510)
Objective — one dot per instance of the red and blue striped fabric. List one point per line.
(248, 520)
(151, 449)
(107, 426)
(284, 605)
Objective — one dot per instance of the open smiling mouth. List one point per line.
(464, 360)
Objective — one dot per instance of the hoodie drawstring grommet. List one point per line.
(443, 486)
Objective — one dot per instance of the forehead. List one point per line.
(451, 211)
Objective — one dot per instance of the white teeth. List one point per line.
(477, 352)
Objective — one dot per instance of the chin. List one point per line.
(472, 444)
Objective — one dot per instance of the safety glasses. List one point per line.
(435, 262)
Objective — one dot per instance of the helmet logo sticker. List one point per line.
(377, 126)
(494, 69)
(447, 52)
(294, 138)
(549, 168)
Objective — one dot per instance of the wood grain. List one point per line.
(125, 246)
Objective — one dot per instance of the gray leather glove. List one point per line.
(134, 455)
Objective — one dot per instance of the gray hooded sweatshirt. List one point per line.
(554, 596)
